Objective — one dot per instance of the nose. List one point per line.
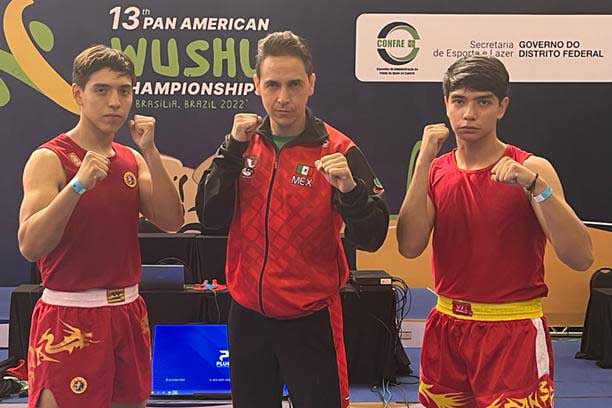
(469, 113)
(113, 100)
(283, 95)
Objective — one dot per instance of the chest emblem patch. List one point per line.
(129, 179)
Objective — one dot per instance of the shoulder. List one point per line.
(537, 163)
(517, 154)
(44, 164)
(337, 140)
(131, 151)
(44, 157)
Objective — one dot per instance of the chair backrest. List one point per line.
(602, 278)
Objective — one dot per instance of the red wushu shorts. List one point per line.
(90, 348)
(486, 355)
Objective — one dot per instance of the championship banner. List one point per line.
(378, 81)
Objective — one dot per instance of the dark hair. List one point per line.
(281, 44)
(478, 73)
(98, 57)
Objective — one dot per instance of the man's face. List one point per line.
(474, 114)
(105, 100)
(284, 87)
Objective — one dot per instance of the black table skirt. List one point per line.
(597, 334)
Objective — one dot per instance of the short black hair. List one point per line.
(284, 43)
(478, 73)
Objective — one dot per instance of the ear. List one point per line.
(257, 84)
(311, 82)
(445, 100)
(503, 105)
(77, 94)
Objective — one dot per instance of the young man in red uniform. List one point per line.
(491, 207)
(284, 185)
(89, 341)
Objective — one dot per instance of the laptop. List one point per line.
(162, 277)
(191, 361)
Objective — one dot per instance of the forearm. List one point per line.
(41, 232)
(366, 218)
(568, 235)
(166, 205)
(218, 189)
(413, 224)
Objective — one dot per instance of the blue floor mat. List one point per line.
(583, 402)
(578, 383)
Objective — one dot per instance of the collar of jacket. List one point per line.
(314, 133)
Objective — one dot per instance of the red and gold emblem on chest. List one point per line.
(129, 179)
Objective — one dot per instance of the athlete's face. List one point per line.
(105, 101)
(285, 87)
(474, 114)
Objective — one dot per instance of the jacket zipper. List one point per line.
(266, 239)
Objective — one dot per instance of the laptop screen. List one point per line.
(170, 277)
(191, 360)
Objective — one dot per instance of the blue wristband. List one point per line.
(76, 185)
(543, 195)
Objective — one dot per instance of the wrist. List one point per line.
(541, 191)
(150, 149)
(423, 163)
(76, 186)
(350, 197)
(238, 138)
(348, 186)
(532, 184)
(538, 187)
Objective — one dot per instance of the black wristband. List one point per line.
(533, 184)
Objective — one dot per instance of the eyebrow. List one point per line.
(478, 98)
(489, 96)
(291, 81)
(103, 85)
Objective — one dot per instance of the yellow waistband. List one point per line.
(528, 309)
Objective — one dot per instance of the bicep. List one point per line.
(145, 186)
(431, 213)
(43, 178)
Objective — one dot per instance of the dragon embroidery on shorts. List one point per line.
(74, 339)
(449, 400)
(541, 398)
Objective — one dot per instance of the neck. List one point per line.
(289, 131)
(90, 138)
(478, 154)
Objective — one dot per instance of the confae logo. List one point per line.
(397, 43)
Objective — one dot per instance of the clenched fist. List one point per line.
(245, 125)
(94, 168)
(434, 137)
(511, 172)
(336, 171)
(142, 129)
